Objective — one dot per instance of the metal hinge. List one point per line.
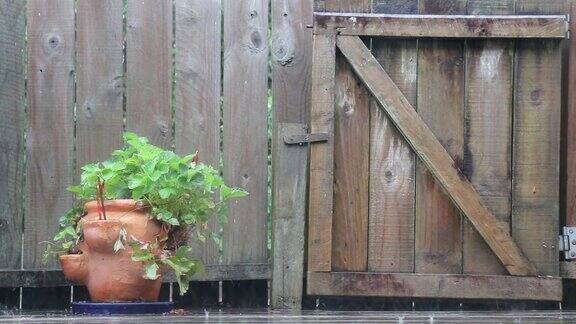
(567, 242)
(300, 139)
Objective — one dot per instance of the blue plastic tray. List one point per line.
(89, 308)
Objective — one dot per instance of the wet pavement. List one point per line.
(249, 316)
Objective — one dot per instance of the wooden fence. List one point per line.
(188, 74)
(198, 74)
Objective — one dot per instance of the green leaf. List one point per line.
(66, 232)
(188, 218)
(149, 166)
(173, 221)
(151, 271)
(229, 193)
(166, 192)
(108, 174)
(142, 255)
(114, 165)
(136, 181)
(91, 168)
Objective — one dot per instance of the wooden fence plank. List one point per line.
(539, 7)
(321, 155)
(291, 55)
(438, 241)
(443, 26)
(50, 138)
(490, 7)
(351, 160)
(245, 127)
(289, 210)
(488, 131)
(570, 120)
(435, 286)
(149, 70)
(433, 155)
(392, 162)
(536, 145)
(12, 127)
(99, 85)
(197, 114)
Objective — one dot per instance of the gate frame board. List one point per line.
(342, 30)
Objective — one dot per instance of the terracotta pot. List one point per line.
(113, 276)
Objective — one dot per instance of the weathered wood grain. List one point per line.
(99, 83)
(245, 127)
(12, 127)
(50, 137)
(488, 134)
(321, 192)
(392, 162)
(149, 70)
(351, 170)
(346, 5)
(568, 269)
(433, 155)
(536, 145)
(490, 7)
(438, 238)
(289, 209)
(395, 6)
(570, 117)
(435, 286)
(55, 278)
(291, 56)
(197, 88)
(351, 159)
(538, 7)
(444, 26)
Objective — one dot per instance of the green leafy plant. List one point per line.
(179, 191)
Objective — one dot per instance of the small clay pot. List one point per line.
(113, 276)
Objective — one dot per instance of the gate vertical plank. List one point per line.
(245, 128)
(536, 143)
(149, 69)
(50, 139)
(392, 172)
(438, 241)
(291, 70)
(488, 133)
(321, 192)
(197, 114)
(99, 86)
(351, 159)
(12, 127)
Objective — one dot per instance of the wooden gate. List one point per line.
(478, 215)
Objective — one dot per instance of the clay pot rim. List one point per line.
(119, 205)
(101, 223)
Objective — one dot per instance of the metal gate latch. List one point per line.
(300, 139)
(567, 242)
